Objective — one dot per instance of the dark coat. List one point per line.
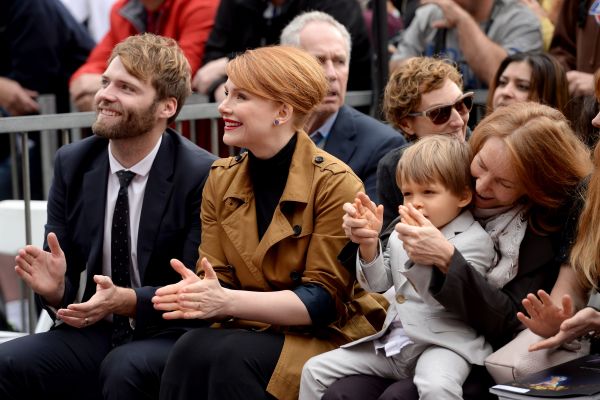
(361, 141)
(169, 222)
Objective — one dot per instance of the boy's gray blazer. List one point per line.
(423, 318)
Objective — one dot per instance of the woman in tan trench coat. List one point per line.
(271, 230)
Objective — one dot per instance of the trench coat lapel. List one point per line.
(296, 192)
(239, 206)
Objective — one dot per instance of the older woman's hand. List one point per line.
(423, 242)
(585, 321)
(192, 297)
(545, 317)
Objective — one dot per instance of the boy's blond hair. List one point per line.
(437, 158)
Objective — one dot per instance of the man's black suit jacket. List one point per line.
(361, 141)
(169, 222)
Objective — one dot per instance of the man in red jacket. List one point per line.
(187, 21)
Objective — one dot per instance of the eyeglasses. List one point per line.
(441, 114)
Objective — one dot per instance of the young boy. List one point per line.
(420, 337)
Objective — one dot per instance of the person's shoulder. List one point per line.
(474, 243)
(331, 172)
(187, 147)
(427, 12)
(182, 7)
(325, 162)
(364, 121)
(190, 162)
(471, 226)
(512, 11)
(228, 165)
(117, 6)
(391, 158)
(83, 148)
(466, 229)
(322, 162)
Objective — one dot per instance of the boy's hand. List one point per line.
(362, 222)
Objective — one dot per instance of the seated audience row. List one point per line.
(286, 251)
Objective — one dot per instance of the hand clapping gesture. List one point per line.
(362, 223)
(104, 302)
(557, 324)
(42, 271)
(193, 297)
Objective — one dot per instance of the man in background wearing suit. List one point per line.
(122, 204)
(355, 138)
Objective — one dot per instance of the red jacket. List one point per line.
(187, 21)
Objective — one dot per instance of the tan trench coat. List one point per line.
(300, 246)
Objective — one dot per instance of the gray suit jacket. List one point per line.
(422, 317)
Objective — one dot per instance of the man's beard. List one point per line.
(136, 123)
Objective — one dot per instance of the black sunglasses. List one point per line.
(441, 114)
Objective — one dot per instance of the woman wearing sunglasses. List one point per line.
(423, 97)
(528, 166)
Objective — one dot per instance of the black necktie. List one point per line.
(121, 254)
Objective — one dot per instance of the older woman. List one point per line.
(535, 77)
(270, 237)
(562, 315)
(423, 97)
(528, 166)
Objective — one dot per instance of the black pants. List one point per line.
(221, 364)
(366, 387)
(70, 363)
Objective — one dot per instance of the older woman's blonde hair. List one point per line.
(283, 74)
(410, 81)
(160, 61)
(585, 254)
(548, 158)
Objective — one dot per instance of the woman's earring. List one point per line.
(276, 122)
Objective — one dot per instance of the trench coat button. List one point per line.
(238, 158)
(400, 299)
(297, 230)
(318, 159)
(295, 276)
(230, 268)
